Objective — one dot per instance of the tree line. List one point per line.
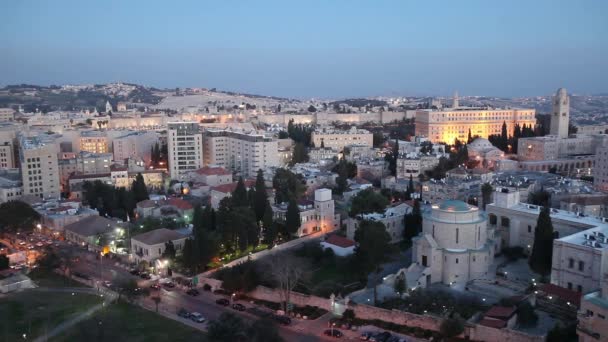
(115, 202)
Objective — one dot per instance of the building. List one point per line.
(218, 193)
(11, 186)
(39, 169)
(414, 165)
(55, 214)
(315, 216)
(579, 259)
(447, 125)
(167, 208)
(7, 114)
(242, 152)
(87, 232)
(321, 154)
(392, 218)
(134, 145)
(560, 116)
(515, 222)
(151, 245)
(372, 170)
(455, 245)
(338, 139)
(7, 155)
(600, 169)
(485, 153)
(340, 245)
(210, 175)
(586, 204)
(94, 142)
(185, 145)
(83, 163)
(593, 314)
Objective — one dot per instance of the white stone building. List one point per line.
(483, 151)
(185, 145)
(338, 139)
(455, 245)
(600, 169)
(408, 165)
(134, 145)
(150, 246)
(315, 216)
(561, 114)
(39, 169)
(392, 218)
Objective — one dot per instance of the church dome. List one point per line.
(454, 205)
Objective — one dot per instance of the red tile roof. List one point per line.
(226, 188)
(339, 241)
(179, 203)
(501, 312)
(562, 292)
(212, 171)
(493, 323)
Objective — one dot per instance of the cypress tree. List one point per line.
(260, 200)
(542, 250)
(292, 217)
(239, 195)
(140, 191)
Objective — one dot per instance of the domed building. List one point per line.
(483, 151)
(455, 245)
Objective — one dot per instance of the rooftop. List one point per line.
(92, 225)
(226, 188)
(208, 171)
(339, 241)
(158, 236)
(454, 205)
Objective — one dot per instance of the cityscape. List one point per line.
(391, 191)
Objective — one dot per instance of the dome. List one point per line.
(454, 205)
(480, 142)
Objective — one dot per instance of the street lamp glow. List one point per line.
(39, 226)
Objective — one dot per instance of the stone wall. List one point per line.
(368, 312)
(272, 295)
(483, 333)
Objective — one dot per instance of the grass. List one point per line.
(31, 312)
(46, 278)
(124, 322)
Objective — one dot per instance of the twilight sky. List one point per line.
(312, 48)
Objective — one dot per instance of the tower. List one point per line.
(561, 114)
(455, 103)
(108, 107)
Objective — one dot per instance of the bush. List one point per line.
(348, 315)
(451, 327)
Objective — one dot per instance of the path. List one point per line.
(108, 296)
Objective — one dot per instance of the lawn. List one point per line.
(33, 312)
(44, 278)
(125, 322)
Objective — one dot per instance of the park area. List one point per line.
(32, 313)
(125, 322)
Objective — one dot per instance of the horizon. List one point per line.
(314, 50)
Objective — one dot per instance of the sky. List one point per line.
(311, 48)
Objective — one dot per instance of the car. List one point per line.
(333, 333)
(366, 335)
(107, 283)
(81, 275)
(169, 284)
(381, 337)
(193, 292)
(239, 307)
(183, 313)
(155, 286)
(197, 317)
(282, 319)
(135, 272)
(145, 275)
(39, 244)
(223, 301)
(22, 243)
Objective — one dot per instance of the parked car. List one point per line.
(193, 292)
(223, 301)
(81, 275)
(381, 337)
(169, 284)
(282, 319)
(333, 333)
(145, 275)
(135, 272)
(155, 286)
(183, 313)
(197, 317)
(366, 335)
(239, 307)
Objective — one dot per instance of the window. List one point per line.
(570, 263)
(424, 261)
(581, 265)
(569, 286)
(529, 229)
(457, 231)
(579, 288)
(589, 313)
(456, 260)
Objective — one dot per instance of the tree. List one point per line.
(242, 277)
(561, 333)
(140, 191)
(264, 330)
(486, 194)
(227, 328)
(287, 271)
(378, 139)
(312, 109)
(451, 327)
(292, 217)
(270, 228)
(169, 252)
(17, 216)
(260, 199)
(526, 317)
(540, 197)
(372, 248)
(368, 201)
(239, 195)
(300, 154)
(542, 249)
(188, 257)
(4, 262)
(400, 285)
(287, 184)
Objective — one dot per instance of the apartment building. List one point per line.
(7, 156)
(242, 152)
(447, 125)
(338, 139)
(600, 169)
(315, 216)
(94, 142)
(11, 186)
(392, 218)
(39, 168)
(7, 114)
(185, 145)
(83, 163)
(134, 145)
(414, 166)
